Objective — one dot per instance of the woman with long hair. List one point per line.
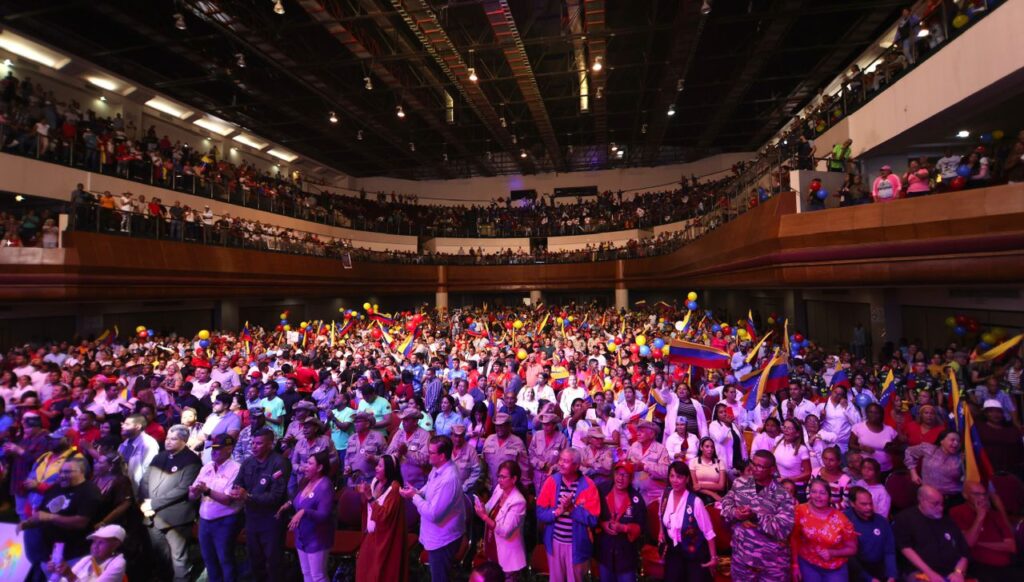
(118, 507)
(504, 515)
(313, 522)
(940, 465)
(621, 524)
(709, 478)
(831, 472)
(823, 538)
(686, 538)
(477, 426)
(729, 442)
(382, 555)
(792, 459)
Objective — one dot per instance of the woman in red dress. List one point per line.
(382, 555)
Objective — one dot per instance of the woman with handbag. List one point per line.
(686, 537)
(503, 517)
(621, 524)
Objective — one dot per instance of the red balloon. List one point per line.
(279, 328)
(972, 326)
(958, 183)
(798, 337)
(618, 341)
(961, 319)
(634, 348)
(508, 325)
(375, 332)
(143, 334)
(411, 326)
(657, 354)
(469, 320)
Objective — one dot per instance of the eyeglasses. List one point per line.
(761, 467)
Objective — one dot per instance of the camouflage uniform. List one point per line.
(762, 552)
(414, 464)
(358, 461)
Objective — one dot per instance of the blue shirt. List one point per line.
(876, 546)
(441, 506)
(444, 422)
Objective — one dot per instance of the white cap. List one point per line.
(110, 532)
(992, 403)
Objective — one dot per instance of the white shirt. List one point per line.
(112, 570)
(876, 440)
(804, 408)
(839, 420)
(790, 461)
(674, 444)
(201, 389)
(567, 396)
(624, 412)
(138, 453)
(222, 480)
(672, 518)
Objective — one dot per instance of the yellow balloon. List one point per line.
(560, 321)
(571, 319)
(998, 134)
(741, 332)
(140, 328)
(691, 296)
(641, 340)
(287, 328)
(375, 307)
(518, 324)
(664, 351)
(612, 347)
(367, 306)
(608, 384)
(203, 334)
(303, 324)
(521, 354)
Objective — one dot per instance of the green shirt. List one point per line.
(380, 408)
(274, 409)
(340, 437)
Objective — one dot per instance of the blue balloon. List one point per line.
(692, 305)
(645, 351)
(659, 343)
(204, 343)
(150, 332)
(565, 323)
(963, 170)
(986, 138)
(707, 312)
(959, 330)
(734, 331)
(984, 346)
(862, 400)
(716, 328)
(284, 322)
(763, 196)
(822, 194)
(761, 191)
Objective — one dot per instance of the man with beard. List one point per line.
(932, 544)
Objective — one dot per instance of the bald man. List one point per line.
(932, 543)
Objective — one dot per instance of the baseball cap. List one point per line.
(222, 440)
(109, 532)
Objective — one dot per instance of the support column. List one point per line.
(441, 296)
(225, 315)
(535, 296)
(621, 292)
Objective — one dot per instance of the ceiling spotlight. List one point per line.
(359, 135)
(19, 198)
(240, 60)
(963, 133)
(598, 64)
(515, 139)
(368, 83)
(179, 21)
(333, 118)
(412, 147)
(8, 63)
(503, 122)
(399, 112)
(672, 109)
(643, 128)
(278, 7)
(472, 74)
(103, 98)
(620, 153)
(679, 86)
(522, 153)
(705, 8)
(615, 148)
(600, 92)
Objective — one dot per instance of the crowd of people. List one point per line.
(556, 439)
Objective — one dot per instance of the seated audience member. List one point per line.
(940, 465)
(871, 481)
(876, 547)
(1002, 440)
(105, 562)
(988, 533)
(932, 546)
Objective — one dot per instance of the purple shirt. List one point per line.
(316, 528)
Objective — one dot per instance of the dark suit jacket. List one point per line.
(166, 484)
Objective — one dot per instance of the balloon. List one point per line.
(771, 321)
(508, 325)
(572, 318)
(140, 328)
(961, 319)
(469, 320)
(518, 324)
(612, 346)
(972, 326)
(798, 338)
(822, 194)
(521, 354)
(984, 346)
(203, 334)
(950, 321)
(657, 354)
(999, 332)
(959, 330)
(634, 349)
(303, 325)
(283, 321)
(375, 307)
(664, 351)
(658, 343)
(641, 340)
(565, 323)
(692, 306)
(958, 183)
(559, 320)
(815, 184)
(367, 306)
(279, 328)
(734, 332)
(376, 333)
(287, 328)
(143, 334)
(691, 296)
(986, 138)
(960, 21)
(342, 310)
(989, 338)
(862, 400)
(150, 333)
(680, 325)
(742, 333)
(204, 343)
(715, 328)
(998, 134)
(963, 170)
(411, 327)
(618, 341)
(645, 351)
(763, 196)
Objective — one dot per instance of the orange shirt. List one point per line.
(812, 532)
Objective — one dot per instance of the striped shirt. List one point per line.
(563, 524)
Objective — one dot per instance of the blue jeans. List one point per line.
(442, 560)
(811, 573)
(608, 574)
(217, 543)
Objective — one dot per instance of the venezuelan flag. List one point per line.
(751, 330)
(383, 319)
(347, 327)
(757, 349)
(540, 327)
(682, 352)
(406, 346)
(656, 407)
(559, 377)
(108, 337)
(765, 377)
(999, 350)
(977, 466)
(840, 378)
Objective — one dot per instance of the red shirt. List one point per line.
(156, 431)
(305, 379)
(993, 529)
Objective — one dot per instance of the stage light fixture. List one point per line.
(400, 112)
(598, 64)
